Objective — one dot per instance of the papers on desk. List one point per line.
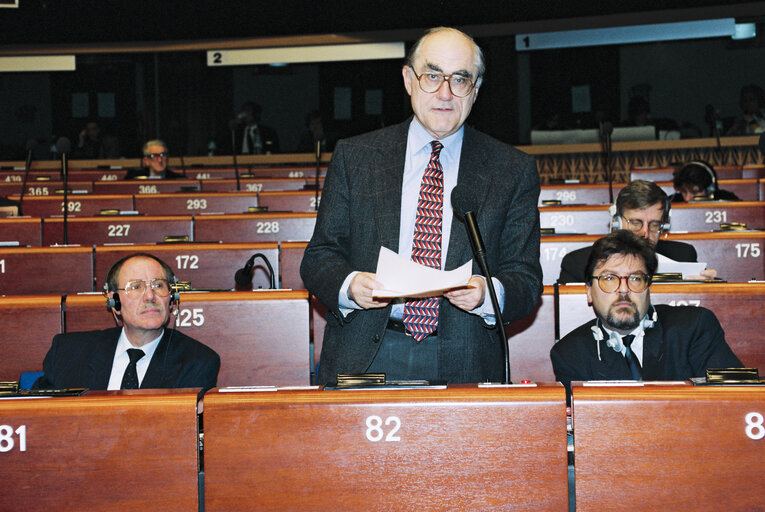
(669, 266)
(402, 277)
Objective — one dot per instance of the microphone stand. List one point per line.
(65, 173)
(27, 168)
(605, 133)
(233, 153)
(318, 169)
(480, 255)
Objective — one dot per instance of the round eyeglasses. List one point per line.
(430, 82)
(138, 287)
(635, 225)
(636, 282)
(155, 156)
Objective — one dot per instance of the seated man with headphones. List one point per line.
(698, 179)
(643, 208)
(630, 339)
(143, 353)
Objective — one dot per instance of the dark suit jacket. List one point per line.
(573, 264)
(360, 212)
(683, 343)
(143, 171)
(84, 360)
(268, 137)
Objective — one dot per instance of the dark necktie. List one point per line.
(130, 378)
(421, 316)
(631, 358)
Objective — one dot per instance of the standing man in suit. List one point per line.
(155, 157)
(643, 208)
(630, 338)
(380, 189)
(251, 137)
(143, 353)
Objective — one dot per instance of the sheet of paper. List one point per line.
(402, 277)
(667, 266)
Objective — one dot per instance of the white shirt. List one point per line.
(637, 343)
(418, 151)
(121, 359)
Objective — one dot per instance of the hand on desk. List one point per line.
(469, 297)
(361, 288)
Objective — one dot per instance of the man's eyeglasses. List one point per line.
(155, 156)
(459, 85)
(137, 288)
(636, 225)
(636, 282)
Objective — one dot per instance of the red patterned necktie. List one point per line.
(421, 316)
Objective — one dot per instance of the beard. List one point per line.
(623, 320)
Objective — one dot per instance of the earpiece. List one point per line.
(616, 220)
(112, 302)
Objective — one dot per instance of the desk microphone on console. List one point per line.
(63, 146)
(243, 276)
(461, 206)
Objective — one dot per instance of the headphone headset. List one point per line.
(711, 189)
(617, 224)
(114, 302)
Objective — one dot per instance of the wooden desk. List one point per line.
(206, 266)
(110, 174)
(43, 270)
(262, 337)
(737, 306)
(665, 173)
(80, 205)
(115, 229)
(24, 230)
(256, 184)
(145, 186)
(290, 201)
(43, 188)
(195, 203)
(693, 217)
(462, 448)
(120, 450)
(530, 340)
(668, 448)
(736, 255)
(28, 325)
(256, 227)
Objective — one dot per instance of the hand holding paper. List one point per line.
(404, 278)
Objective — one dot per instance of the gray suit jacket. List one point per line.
(360, 211)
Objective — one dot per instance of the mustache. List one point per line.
(624, 298)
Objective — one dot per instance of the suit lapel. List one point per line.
(162, 366)
(475, 185)
(102, 358)
(612, 365)
(654, 351)
(386, 175)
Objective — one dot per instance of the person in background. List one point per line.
(155, 159)
(698, 179)
(93, 144)
(752, 120)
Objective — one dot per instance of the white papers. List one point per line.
(402, 277)
(668, 266)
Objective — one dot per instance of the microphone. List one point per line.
(762, 143)
(243, 276)
(606, 128)
(460, 204)
(63, 146)
(31, 145)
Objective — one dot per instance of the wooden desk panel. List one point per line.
(43, 270)
(116, 229)
(129, 450)
(693, 217)
(257, 184)
(755, 171)
(665, 174)
(88, 312)
(262, 337)
(25, 231)
(530, 340)
(290, 201)
(736, 255)
(737, 307)
(462, 448)
(43, 188)
(668, 448)
(79, 205)
(195, 203)
(145, 186)
(112, 174)
(206, 266)
(260, 227)
(28, 325)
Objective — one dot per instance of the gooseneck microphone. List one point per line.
(31, 145)
(606, 129)
(243, 276)
(63, 146)
(462, 209)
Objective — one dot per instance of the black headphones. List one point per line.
(114, 303)
(617, 224)
(711, 189)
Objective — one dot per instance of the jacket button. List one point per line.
(376, 338)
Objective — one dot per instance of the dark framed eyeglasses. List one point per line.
(636, 282)
(137, 288)
(155, 156)
(431, 81)
(636, 225)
